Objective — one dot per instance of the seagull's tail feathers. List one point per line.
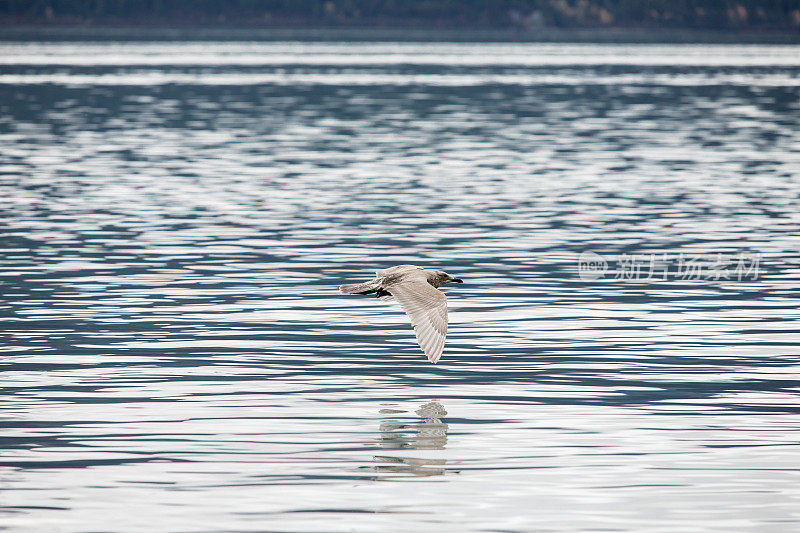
(368, 287)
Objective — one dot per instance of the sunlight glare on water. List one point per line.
(177, 218)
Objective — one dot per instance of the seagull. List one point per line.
(414, 288)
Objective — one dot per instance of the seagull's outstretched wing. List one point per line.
(399, 269)
(427, 309)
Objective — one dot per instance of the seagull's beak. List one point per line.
(457, 280)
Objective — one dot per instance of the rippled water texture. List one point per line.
(177, 217)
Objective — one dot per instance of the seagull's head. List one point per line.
(443, 277)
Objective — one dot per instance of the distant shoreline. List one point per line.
(589, 35)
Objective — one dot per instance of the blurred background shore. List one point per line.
(574, 35)
(416, 20)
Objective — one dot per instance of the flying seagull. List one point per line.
(415, 289)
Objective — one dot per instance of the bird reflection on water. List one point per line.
(426, 433)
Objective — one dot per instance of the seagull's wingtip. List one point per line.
(433, 358)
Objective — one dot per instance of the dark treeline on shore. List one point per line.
(760, 15)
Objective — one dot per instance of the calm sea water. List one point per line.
(176, 218)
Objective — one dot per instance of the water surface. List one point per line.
(177, 217)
